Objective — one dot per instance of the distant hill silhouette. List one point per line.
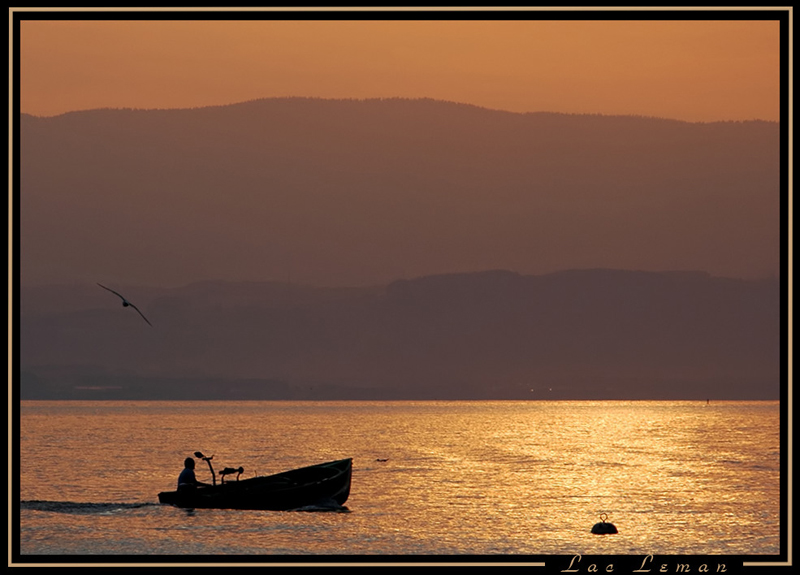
(580, 334)
(354, 193)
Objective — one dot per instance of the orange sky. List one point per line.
(696, 71)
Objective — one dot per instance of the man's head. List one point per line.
(188, 463)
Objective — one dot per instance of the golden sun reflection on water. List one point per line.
(441, 478)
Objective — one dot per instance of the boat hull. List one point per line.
(323, 485)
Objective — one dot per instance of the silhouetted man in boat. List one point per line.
(187, 479)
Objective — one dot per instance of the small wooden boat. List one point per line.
(324, 485)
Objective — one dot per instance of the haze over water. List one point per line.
(460, 478)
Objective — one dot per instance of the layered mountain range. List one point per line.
(304, 248)
(581, 334)
(341, 192)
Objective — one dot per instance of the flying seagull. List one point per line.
(126, 303)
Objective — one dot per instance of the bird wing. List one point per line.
(126, 301)
(141, 314)
(112, 291)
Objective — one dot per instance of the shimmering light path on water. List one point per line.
(459, 478)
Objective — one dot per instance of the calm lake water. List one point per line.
(459, 478)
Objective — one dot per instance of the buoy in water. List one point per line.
(603, 528)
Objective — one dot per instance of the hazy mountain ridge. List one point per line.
(348, 192)
(390, 100)
(496, 334)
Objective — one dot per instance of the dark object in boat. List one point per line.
(321, 484)
(231, 471)
(603, 528)
(207, 459)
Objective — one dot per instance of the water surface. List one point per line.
(459, 478)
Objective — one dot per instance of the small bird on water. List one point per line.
(126, 303)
